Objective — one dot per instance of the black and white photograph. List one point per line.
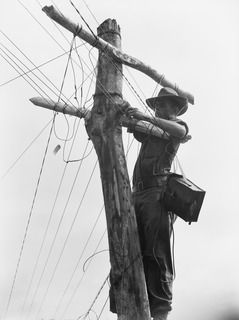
(119, 152)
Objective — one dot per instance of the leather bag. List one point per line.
(183, 197)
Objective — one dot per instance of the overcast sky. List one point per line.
(193, 43)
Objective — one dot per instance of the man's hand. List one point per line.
(131, 112)
(135, 113)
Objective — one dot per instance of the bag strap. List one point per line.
(177, 163)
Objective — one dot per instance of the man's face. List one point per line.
(166, 109)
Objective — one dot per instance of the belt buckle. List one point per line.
(140, 186)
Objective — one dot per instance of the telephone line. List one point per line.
(31, 210)
(75, 269)
(60, 91)
(110, 60)
(104, 305)
(29, 218)
(25, 150)
(52, 37)
(79, 283)
(45, 29)
(55, 235)
(78, 262)
(12, 61)
(97, 295)
(68, 42)
(46, 231)
(62, 85)
(60, 45)
(82, 277)
(47, 227)
(35, 66)
(66, 240)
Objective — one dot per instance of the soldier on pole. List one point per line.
(152, 168)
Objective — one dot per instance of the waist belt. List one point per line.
(150, 183)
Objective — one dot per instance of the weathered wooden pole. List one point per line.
(114, 52)
(103, 127)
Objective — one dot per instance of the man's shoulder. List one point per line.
(183, 123)
(178, 120)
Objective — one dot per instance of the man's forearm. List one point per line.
(171, 127)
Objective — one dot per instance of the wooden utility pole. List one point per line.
(104, 127)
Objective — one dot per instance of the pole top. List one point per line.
(108, 26)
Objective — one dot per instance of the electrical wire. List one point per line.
(98, 83)
(6, 49)
(75, 269)
(55, 236)
(66, 240)
(81, 279)
(34, 140)
(51, 36)
(28, 223)
(23, 76)
(36, 68)
(134, 90)
(46, 231)
(92, 256)
(25, 150)
(29, 218)
(78, 262)
(104, 305)
(96, 297)
(47, 227)
(47, 78)
(62, 85)
(75, 95)
(110, 60)
(41, 25)
(92, 14)
(106, 53)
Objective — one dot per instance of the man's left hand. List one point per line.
(135, 113)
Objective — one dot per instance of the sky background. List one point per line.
(193, 43)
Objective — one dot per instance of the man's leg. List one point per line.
(161, 316)
(154, 225)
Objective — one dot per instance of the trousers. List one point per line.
(155, 227)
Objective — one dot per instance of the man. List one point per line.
(149, 181)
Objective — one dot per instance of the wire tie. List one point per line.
(161, 78)
(96, 41)
(78, 30)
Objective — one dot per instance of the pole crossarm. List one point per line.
(138, 125)
(116, 53)
(59, 107)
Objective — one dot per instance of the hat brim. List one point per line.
(181, 102)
